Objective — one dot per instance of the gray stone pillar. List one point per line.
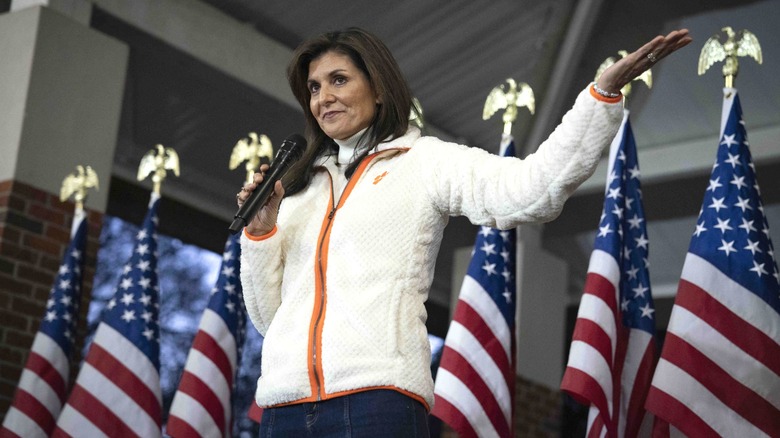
(61, 93)
(542, 281)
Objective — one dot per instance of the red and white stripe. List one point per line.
(201, 406)
(42, 387)
(475, 381)
(41, 391)
(255, 412)
(610, 366)
(720, 371)
(117, 392)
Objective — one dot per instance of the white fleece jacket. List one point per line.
(338, 292)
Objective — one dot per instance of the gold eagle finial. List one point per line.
(416, 114)
(251, 150)
(646, 76)
(509, 96)
(77, 184)
(157, 161)
(741, 43)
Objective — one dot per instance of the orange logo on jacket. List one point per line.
(379, 177)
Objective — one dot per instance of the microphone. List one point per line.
(290, 151)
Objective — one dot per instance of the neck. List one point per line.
(347, 147)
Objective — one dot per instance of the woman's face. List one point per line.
(342, 100)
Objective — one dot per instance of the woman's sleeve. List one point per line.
(261, 276)
(503, 192)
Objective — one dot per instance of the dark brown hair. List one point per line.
(374, 59)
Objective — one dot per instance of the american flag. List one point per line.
(202, 404)
(475, 381)
(719, 372)
(43, 385)
(613, 346)
(117, 391)
(255, 412)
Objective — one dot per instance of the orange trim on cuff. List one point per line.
(604, 98)
(265, 236)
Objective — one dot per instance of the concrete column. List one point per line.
(78, 10)
(61, 92)
(541, 312)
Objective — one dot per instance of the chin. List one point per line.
(339, 136)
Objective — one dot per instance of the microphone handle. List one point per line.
(260, 196)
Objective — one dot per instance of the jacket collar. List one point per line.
(405, 141)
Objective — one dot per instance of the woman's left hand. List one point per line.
(634, 64)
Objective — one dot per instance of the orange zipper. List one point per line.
(316, 376)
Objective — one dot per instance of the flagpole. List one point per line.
(117, 391)
(719, 372)
(206, 411)
(617, 306)
(728, 100)
(487, 303)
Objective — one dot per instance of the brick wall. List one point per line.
(34, 232)
(537, 411)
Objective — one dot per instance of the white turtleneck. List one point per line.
(344, 158)
(347, 148)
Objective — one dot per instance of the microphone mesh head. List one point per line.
(293, 145)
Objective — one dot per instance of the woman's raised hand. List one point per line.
(634, 64)
(265, 219)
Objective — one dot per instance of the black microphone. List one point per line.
(290, 151)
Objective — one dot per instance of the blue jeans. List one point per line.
(374, 413)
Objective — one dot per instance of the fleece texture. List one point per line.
(338, 287)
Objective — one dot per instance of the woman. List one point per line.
(336, 277)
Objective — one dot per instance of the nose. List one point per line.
(325, 95)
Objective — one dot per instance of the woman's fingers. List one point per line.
(249, 187)
(279, 190)
(667, 45)
(265, 219)
(627, 69)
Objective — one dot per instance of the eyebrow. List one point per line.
(331, 73)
